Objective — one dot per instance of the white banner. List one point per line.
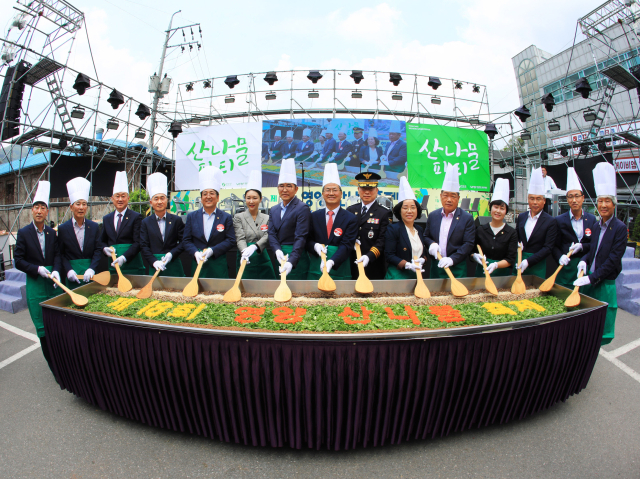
(234, 149)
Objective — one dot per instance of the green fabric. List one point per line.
(498, 272)
(539, 269)
(343, 273)
(394, 273)
(299, 272)
(459, 270)
(605, 292)
(568, 274)
(212, 268)
(135, 266)
(174, 268)
(39, 289)
(79, 266)
(259, 266)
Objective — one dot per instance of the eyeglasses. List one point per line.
(574, 197)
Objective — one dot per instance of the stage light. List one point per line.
(503, 164)
(140, 133)
(85, 147)
(476, 89)
(525, 135)
(589, 115)
(396, 96)
(522, 113)
(314, 76)
(544, 156)
(564, 153)
(62, 144)
(100, 151)
(119, 154)
(548, 101)
(194, 120)
(175, 129)
(434, 82)
(143, 111)
(357, 76)
(356, 94)
(112, 124)
(395, 78)
(474, 120)
(313, 94)
(602, 146)
(206, 84)
(491, 130)
(270, 96)
(77, 113)
(458, 85)
(583, 87)
(554, 125)
(271, 78)
(189, 86)
(115, 99)
(82, 83)
(436, 100)
(584, 150)
(229, 99)
(231, 81)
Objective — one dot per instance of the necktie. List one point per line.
(329, 224)
(364, 210)
(119, 222)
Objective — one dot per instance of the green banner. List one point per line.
(429, 147)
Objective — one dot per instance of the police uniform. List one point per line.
(355, 149)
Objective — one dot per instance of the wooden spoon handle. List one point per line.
(519, 274)
(324, 260)
(447, 270)
(484, 263)
(580, 275)
(62, 286)
(240, 271)
(283, 275)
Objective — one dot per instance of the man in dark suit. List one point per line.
(329, 148)
(276, 146)
(357, 143)
(161, 232)
(373, 220)
(333, 231)
(396, 151)
(575, 228)
(79, 238)
(121, 230)
(289, 224)
(306, 147)
(36, 253)
(343, 149)
(536, 230)
(450, 231)
(209, 232)
(289, 147)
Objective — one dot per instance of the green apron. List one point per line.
(135, 266)
(299, 272)
(259, 266)
(174, 268)
(39, 289)
(394, 273)
(539, 269)
(569, 273)
(605, 292)
(497, 272)
(459, 270)
(79, 266)
(212, 268)
(343, 273)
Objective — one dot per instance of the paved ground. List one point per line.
(46, 432)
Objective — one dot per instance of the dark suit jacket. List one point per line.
(565, 235)
(609, 257)
(151, 239)
(375, 222)
(397, 245)
(70, 250)
(543, 237)
(129, 232)
(328, 148)
(292, 229)
(365, 153)
(289, 149)
(345, 221)
(398, 154)
(305, 149)
(356, 146)
(342, 151)
(276, 149)
(28, 254)
(462, 235)
(219, 241)
(503, 246)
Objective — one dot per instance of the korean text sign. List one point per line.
(429, 147)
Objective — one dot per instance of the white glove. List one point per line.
(88, 274)
(72, 276)
(284, 157)
(564, 260)
(582, 266)
(248, 251)
(107, 250)
(329, 266)
(364, 259)
(56, 276)
(582, 281)
(434, 249)
(383, 161)
(208, 253)
(522, 266)
(575, 247)
(42, 271)
(200, 256)
(159, 265)
(286, 268)
(418, 264)
(271, 154)
(410, 266)
(318, 248)
(445, 262)
(419, 261)
(477, 257)
(492, 267)
(120, 260)
(357, 242)
(166, 259)
(520, 245)
(280, 256)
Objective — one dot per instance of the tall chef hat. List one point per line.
(373, 133)
(604, 179)
(306, 132)
(290, 134)
(451, 181)
(42, 193)
(255, 180)
(395, 127)
(78, 189)
(536, 183)
(404, 190)
(210, 178)
(331, 175)
(288, 172)
(121, 184)
(501, 191)
(573, 183)
(157, 185)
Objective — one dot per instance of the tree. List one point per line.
(517, 142)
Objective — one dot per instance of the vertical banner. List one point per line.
(234, 149)
(429, 147)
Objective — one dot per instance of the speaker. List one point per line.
(11, 99)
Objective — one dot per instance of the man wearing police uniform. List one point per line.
(357, 143)
(373, 220)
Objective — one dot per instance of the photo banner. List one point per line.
(429, 147)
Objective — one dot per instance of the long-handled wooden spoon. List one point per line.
(551, 280)
(489, 285)
(145, 292)
(124, 284)
(421, 290)
(191, 289)
(518, 286)
(103, 278)
(326, 282)
(77, 299)
(363, 284)
(574, 298)
(283, 293)
(234, 294)
(457, 288)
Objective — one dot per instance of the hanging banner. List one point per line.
(429, 147)
(234, 149)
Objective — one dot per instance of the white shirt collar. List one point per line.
(335, 211)
(205, 213)
(123, 212)
(573, 216)
(37, 230)
(75, 223)
(534, 217)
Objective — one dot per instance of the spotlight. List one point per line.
(77, 112)
(396, 96)
(62, 144)
(554, 125)
(357, 76)
(395, 78)
(119, 154)
(100, 151)
(434, 82)
(175, 129)
(525, 135)
(143, 111)
(544, 156)
(474, 120)
(112, 124)
(206, 84)
(458, 85)
(522, 113)
(436, 100)
(589, 115)
(231, 81)
(313, 94)
(270, 96)
(82, 83)
(548, 101)
(584, 150)
(564, 153)
(583, 87)
(115, 99)
(85, 147)
(476, 89)
(140, 133)
(503, 164)
(491, 130)
(189, 86)
(314, 76)
(602, 146)
(356, 94)
(271, 78)
(194, 120)
(229, 99)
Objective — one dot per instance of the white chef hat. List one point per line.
(404, 190)
(278, 133)
(373, 133)
(328, 130)
(451, 181)
(288, 172)
(306, 132)
(255, 180)
(395, 127)
(290, 134)
(210, 178)
(331, 175)
(42, 193)
(343, 129)
(573, 183)
(157, 185)
(121, 184)
(501, 191)
(604, 179)
(536, 183)
(78, 189)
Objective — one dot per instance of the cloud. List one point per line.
(381, 19)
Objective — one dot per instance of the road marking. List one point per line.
(620, 364)
(19, 332)
(17, 356)
(624, 349)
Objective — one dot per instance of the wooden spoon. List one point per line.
(283, 293)
(124, 284)
(421, 290)
(103, 278)
(191, 289)
(326, 282)
(363, 284)
(145, 292)
(489, 285)
(518, 286)
(551, 280)
(457, 288)
(77, 299)
(574, 298)
(234, 294)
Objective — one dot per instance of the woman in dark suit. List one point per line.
(498, 240)
(371, 151)
(404, 248)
